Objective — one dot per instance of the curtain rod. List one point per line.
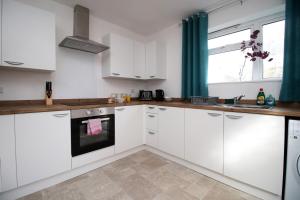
(224, 5)
(233, 2)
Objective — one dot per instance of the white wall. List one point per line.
(78, 74)
(223, 18)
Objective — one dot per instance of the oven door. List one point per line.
(82, 142)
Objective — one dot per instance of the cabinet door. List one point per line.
(43, 145)
(254, 150)
(121, 52)
(151, 60)
(204, 138)
(28, 36)
(8, 177)
(152, 138)
(171, 130)
(139, 60)
(128, 127)
(151, 121)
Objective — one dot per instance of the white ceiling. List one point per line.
(144, 17)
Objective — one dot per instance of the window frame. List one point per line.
(257, 69)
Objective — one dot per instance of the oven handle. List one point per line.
(103, 119)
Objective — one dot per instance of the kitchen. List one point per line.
(123, 119)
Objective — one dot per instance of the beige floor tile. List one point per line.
(137, 187)
(166, 180)
(141, 176)
(178, 194)
(34, 196)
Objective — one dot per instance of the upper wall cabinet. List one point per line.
(127, 58)
(155, 60)
(28, 36)
(139, 60)
(118, 60)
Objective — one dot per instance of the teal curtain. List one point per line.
(195, 55)
(290, 89)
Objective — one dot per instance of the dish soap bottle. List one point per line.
(270, 101)
(261, 97)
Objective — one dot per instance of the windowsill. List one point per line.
(245, 82)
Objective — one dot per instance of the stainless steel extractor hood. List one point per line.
(80, 39)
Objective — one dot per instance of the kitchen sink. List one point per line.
(246, 106)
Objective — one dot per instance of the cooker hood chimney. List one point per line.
(80, 39)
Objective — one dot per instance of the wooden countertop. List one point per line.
(33, 107)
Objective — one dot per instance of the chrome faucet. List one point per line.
(238, 99)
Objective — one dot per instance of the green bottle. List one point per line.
(261, 97)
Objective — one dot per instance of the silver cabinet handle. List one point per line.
(150, 107)
(214, 114)
(13, 63)
(152, 76)
(116, 74)
(298, 160)
(162, 109)
(151, 116)
(120, 109)
(137, 76)
(151, 133)
(61, 115)
(234, 117)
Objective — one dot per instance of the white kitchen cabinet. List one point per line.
(28, 36)
(254, 150)
(151, 125)
(43, 145)
(155, 60)
(151, 121)
(118, 60)
(128, 127)
(204, 138)
(171, 130)
(139, 63)
(151, 109)
(8, 176)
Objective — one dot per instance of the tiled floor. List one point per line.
(141, 176)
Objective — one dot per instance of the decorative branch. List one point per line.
(256, 51)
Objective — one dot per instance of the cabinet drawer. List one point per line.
(151, 121)
(151, 138)
(151, 109)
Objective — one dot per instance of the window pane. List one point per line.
(233, 38)
(273, 41)
(225, 67)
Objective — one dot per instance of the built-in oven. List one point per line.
(82, 141)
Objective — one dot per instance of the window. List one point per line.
(226, 61)
(273, 40)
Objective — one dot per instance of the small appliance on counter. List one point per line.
(49, 100)
(145, 95)
(159, 95)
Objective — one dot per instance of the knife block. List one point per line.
(49, 100)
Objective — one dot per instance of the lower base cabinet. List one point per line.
(8, 176)
(128, 127)
(254, 150)
(171, 130)
(43, 145)
(204, 138)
